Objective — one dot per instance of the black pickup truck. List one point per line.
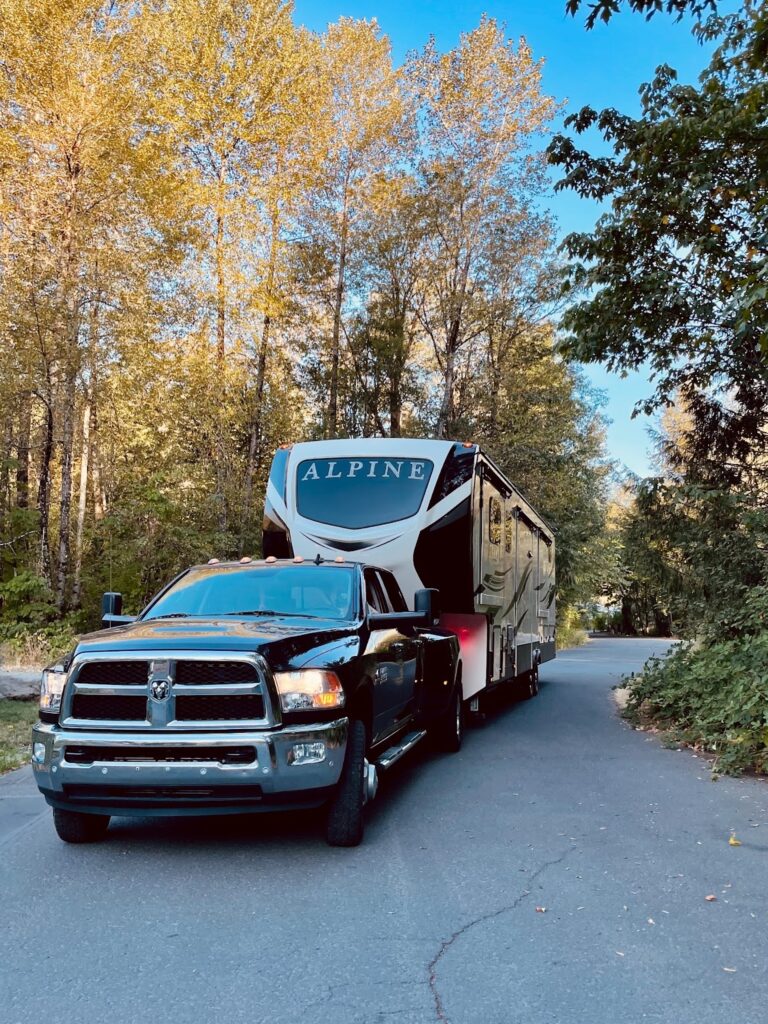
(246, 686)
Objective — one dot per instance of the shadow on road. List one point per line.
(305, 827)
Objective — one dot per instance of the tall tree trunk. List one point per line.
(395, 408)
(254, 440)
(221, 306)
(85, 455)
(221, 322)
(396, 387)
(44, 497)
(445, 416)
(69, 332)
(445, 421)
(5, 463)
(22, 454)
(333, 389)
(65, 503)
(627, 621)
(99, 496)
(494, 390)
(257, 414)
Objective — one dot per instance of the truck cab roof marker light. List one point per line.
(270, 559)
(339, 559)
(298, 559)
(467, 444)
(213, 561)
(245, 559)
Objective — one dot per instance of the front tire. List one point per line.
(344, 825)
(74, 827)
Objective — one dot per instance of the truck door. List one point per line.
(407, 642)
(395, 663)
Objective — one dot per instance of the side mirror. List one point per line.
(111, 610)
(427, 603)
(111, 604)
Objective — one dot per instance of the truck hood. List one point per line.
(281, 639)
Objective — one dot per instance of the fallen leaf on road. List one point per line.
(541, 910)
(710, 898)
(730, 970)
(733, 841)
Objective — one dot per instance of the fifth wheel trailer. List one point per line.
(437, 514)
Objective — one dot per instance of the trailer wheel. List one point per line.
(531, 683)
(74, 827)
(344, 824)
(448, 730)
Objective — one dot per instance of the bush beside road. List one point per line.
(19, 690)
(16, 719)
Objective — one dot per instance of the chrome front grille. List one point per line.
(167, 690)
(115, 673)
(104, 706)
(226, 708)
(212, 673)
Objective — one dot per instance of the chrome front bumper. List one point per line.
(137, 786)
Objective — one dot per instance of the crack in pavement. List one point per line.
(440, 1013)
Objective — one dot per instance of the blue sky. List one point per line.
(601, 68)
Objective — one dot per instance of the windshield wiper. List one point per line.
(270, 611)
(254, 611)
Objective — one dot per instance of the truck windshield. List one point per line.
(355, 493)
(318, 591)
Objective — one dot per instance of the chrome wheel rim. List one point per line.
(370, 781)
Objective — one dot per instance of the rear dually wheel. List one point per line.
(448, 729)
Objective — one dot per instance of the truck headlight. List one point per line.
(52, 687)
(308, 689)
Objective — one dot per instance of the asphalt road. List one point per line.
(554, 804)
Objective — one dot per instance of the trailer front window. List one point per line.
(357, 493)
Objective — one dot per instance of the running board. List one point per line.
(393, 754)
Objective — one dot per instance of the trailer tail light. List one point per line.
(472, 634)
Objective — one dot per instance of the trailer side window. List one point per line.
(509, 531)
(494, 521)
